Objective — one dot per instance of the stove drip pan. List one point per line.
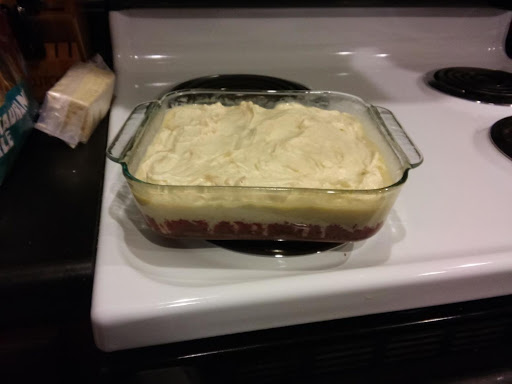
(475, 84)
(239, 82)
(275, 248)
(501, 135)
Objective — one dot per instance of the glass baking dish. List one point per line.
(264, 213)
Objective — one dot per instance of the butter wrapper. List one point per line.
(76, 104)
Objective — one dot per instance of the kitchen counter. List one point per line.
(49, 226)
(48, 231)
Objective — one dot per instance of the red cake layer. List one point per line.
(256, 231)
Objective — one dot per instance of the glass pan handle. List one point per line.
(121, 143)
(395, 130)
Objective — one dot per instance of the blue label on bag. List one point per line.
(15, 123)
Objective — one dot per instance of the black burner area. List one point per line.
(275, 248)
(501, 135)
(476, 84)
(238, 82)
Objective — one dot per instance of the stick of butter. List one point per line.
(77, 102)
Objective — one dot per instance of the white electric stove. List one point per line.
(448, 238)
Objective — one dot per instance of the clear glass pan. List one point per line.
(263, 213)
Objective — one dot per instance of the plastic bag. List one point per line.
(17, 110)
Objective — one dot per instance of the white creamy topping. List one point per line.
(246, 145)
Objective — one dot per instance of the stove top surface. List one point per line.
(447, 238)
